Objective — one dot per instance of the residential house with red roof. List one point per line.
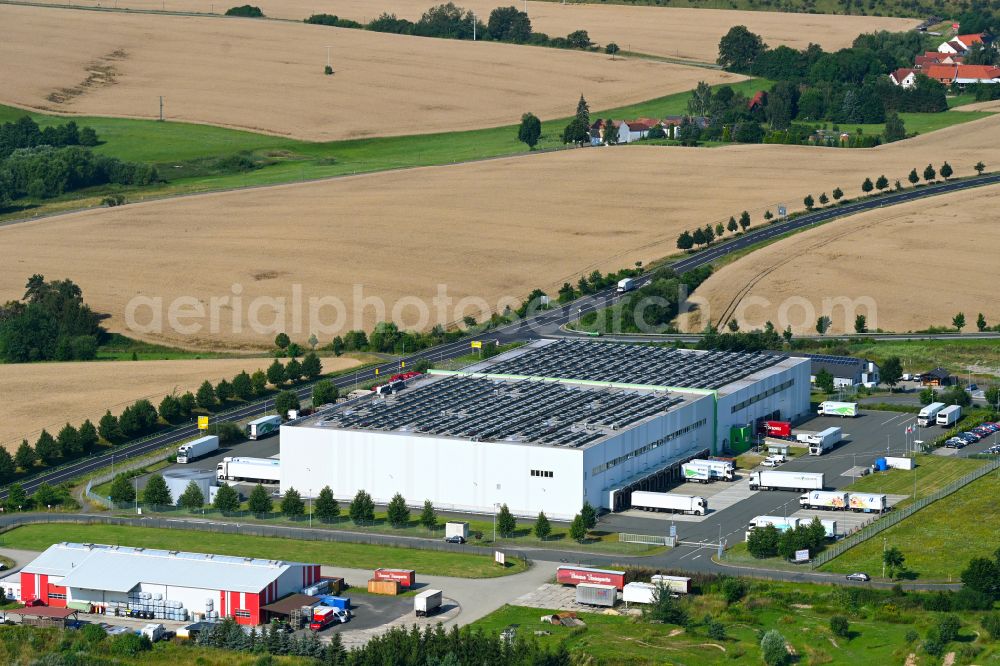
(904, 77)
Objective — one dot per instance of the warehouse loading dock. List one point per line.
(657, 481)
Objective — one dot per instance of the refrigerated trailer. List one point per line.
(928, 414)
(773, 480)
(863, 502)
(949, 415)
(823, 499)
(256, 470)
(626, 284)
(834, 408)
(643, 499)
(264, 426)
(197, 448)
(698, 473)
(823, 441)
(717, 469)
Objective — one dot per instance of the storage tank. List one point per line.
(178, 480)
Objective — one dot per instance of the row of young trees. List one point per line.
(768, 541)
(688, 240)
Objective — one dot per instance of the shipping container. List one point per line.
(678, 584)
(387, 587)
(405, 577)
(344, 603)
(593, 594)
(568, 575)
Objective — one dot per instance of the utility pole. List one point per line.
(328, 63)
(883, 556)
(161, 108)
(473, 26)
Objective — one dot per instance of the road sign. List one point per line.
(376, 372)
(202, 423)
(402, 364)
(476, 344)
(782, 211)
(802, 555)
(499, 558)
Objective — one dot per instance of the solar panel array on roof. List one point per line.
(833, 360)
(635, 364)
(515, 411)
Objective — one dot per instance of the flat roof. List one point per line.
(121, 568)
(290, 603)
(44, 611)
(524, 410)
(625, 363)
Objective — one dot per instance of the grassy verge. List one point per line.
(121, 348)
(932, 473)
(104, 489)
(879, 625)
(921, 355)
(937, 541)
(351, 555)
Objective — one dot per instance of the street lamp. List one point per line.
(495, 505)
(310, 507)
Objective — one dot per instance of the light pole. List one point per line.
(136, 482)
(495, 505)
(328, 63)
(883, 556)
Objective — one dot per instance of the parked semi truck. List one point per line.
(823, 441)
(718, 469)
(626, 284)
(264, 426)
(949, 415)
(834, 408)
(642, 499)
(197, 448)
(928, 414)
(824, 499)
(774, 480)
(256, 470)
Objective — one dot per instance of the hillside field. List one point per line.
(686, 33)
(267, 76)
(914, 264)
(47, 395)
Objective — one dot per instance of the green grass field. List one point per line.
(922, 355)
(916, 9)
(351, 555)
(932, 473)
(939, 540)
(801, 612)
(923, 123)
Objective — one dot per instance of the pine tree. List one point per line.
(87, 436)
(69, 442)
(946, 171)
(913, 177)
(397, 512)
(744, 220)
(506, 523)
(362, 508)
(156, 492)
(542, 526)
(205, 395)
(242, 386)
(292, 505)
(25, 456)
(577, 531)
(47, 448)
(259, 502)
(428, 517)
(583, 112)
(276, 374)
(122, 490)
(311, 366)
(589, 516)
(227, 500)
(7, 466)
(192, 498)
(326, 507)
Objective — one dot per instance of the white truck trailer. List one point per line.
(928, 414)
(824, 440)
(197, 448)
(780, 523)
(456, 528)
(255, 470)
(864, 502)
(824, 499)
(427, 602)
(675, 584)
(834, 408)
(626, 284)
(643, 499)
(718, 469)
(774, 480)
(264, 426)
(698, 473)
(949, 415)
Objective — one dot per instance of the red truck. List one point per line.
(577, 575)
(782, 429)
(405, 577)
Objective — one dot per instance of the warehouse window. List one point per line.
(242, 613)
(648, 447)
(760, 396)
(542, 473)
(54, 595)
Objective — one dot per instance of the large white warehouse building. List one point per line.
(542, 428)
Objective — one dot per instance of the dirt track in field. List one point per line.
(47, 395)
(267, 76)
(691, 34)
(906, 268)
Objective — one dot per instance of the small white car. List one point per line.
(773, 461)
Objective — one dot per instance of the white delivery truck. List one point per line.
(928, 414)
(643, 499)
(949, 415)
(264, 426)
(197, 448)
(774, 480)
(698, 473)
(824, 440)
(718, 469)
(824, 499)
(456, 529)
(834, 408)
(255, 470)
(427, 602)
(627, 284)
(864, 502)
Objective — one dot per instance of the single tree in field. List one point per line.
(891, 371)
(860, 324)
(837, 194)
(156, 492)
(823, 325)
(867, 186)
(980, 167)
(739, 49)
(685, 241)
(227, 500)
(981, 322)
(192, 498)
(809, 202)
(744, 220)
(122, 490)
(292, 505)
(326, 508)
(577, 531)
(589, 516)
(542, 526)
(397, 513)
(428, 517)
(281, 341)
(768, 215)
(824, 380)
(882, 182)
(506, 523)
(530, 130)
(733, 227)
(894, 561)
(611, 49)
(946, 171)
(958, 321)
(929, 173)
(260, 503)
(733, 325)
(913, 177)
(823, 199)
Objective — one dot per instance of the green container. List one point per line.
(740, 439)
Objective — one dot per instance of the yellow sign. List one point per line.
(376, 371)
(202, 423)
(476, 344)
(402, 364)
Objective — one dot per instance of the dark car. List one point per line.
(455, 538)
(858, 576)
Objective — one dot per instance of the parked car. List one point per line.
(455, 538)
(773, 461)
(954, 443)
(859, 576)
(969, 437)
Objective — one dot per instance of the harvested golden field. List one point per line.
(268, 76)
(905, 268)
(376, 243)
(34, 393)
(691, 34)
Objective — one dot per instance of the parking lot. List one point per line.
(261, 448)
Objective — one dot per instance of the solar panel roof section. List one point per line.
(526, 410)
(587, 360)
